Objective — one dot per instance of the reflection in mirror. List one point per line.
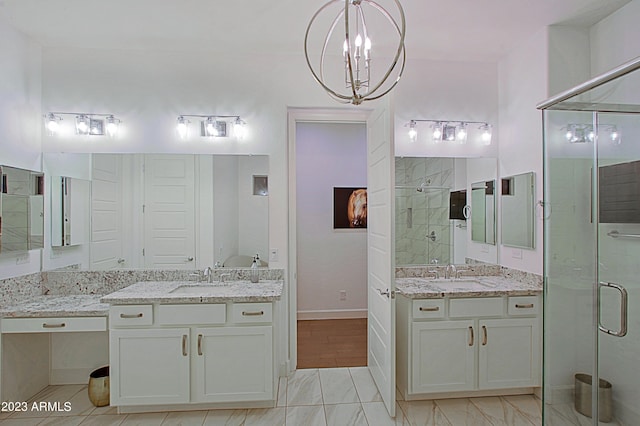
(518, 210)
(483, 212)
(170, 211)
(70, 211)
(21, 210)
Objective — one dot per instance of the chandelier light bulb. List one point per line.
(367, 48)
(358, 40)
(345, 49)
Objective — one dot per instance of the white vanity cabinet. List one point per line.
(191, 353)
(466, 346)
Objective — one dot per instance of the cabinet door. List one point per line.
(233, 364)
(509, 353)
(149, 366)
(443, 356)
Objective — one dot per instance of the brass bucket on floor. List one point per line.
(99, 387)
(582, 398)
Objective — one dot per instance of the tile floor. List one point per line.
(331, 396)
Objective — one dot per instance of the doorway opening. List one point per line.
(329, 263)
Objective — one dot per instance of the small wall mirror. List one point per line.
(21, 210)
(70, 211)
(483, 212)
(517, 200)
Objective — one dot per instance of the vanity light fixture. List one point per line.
(92, 124)
(584, 133)
(211, 126)
(451, 131)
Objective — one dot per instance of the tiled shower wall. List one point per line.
(418, 214)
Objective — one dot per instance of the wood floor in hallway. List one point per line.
(332, 343)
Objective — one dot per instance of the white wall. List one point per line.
(20, 84)
(614, 40)
(329, 260)
(523, 82)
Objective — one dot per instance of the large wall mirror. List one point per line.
(70, 211)
(430, 196)
(517, 197)
(177, 211)
(483, 212)
(21, 210)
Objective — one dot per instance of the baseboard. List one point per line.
(333, 314)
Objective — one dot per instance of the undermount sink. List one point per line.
(204, 289)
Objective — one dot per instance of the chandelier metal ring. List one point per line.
(355, 84)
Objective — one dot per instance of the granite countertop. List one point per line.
(192, 292)
(57, 306)
(482, 286)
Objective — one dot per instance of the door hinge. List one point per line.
(143, 207)
(143, 252)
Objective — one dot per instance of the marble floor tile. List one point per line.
(529, 405)
(365, 386)
(106, 420)
(225, 417)
(185, 418)
(282, 392)
(424, 413)
(345, 415)
(337, 386)
(461, 412)
(144, 419)
(307, 415)
(63, 421)
(500, 412)
(377, 415)
(303, 388)
(266, 416)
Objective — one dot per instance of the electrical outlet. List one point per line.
(273, 255)
(23, 258)
(516, 253)
(343, 294)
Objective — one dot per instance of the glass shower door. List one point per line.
(618, 159)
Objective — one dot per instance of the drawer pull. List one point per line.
(484, 335)
(184, 345)
(252, 313)
(430, 309)
(200, 344)
(526, 306)
(60, 325)
(139, 315)
(471, 336)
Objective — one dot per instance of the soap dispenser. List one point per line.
(255, 273)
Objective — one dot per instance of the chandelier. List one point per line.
(356, 48)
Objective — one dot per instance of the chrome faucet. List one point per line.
(223, 276)
(436, 274)
(450, 272)
(207, 274)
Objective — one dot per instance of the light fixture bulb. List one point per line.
(413, 132)
(486, 134)
(437, 132)
(211, 127)
(113, 125)
(591, 136)
(239, 128)
(182, 127)
(461, 134)
(82, 124)
(53, 125)
(569, 135)
(615, 136)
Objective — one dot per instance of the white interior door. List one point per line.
(106, 212)
(169, 211)
(381, 253)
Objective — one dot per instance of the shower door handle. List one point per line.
(623, 310)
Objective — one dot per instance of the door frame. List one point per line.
(295, 116)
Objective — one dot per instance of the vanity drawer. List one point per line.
(202, 314)
(251, 312)
(524, 305)
(125, 315)
(428, 308)
(476, 307)
(53, 325)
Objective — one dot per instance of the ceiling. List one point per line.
(483, 30)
